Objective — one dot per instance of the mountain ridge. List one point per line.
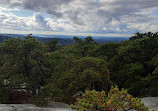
(63, 39)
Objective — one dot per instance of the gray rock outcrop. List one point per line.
(151, 103)
(30, 107)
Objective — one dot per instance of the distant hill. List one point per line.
(2, 38)
(110, 39)
(95, 38)
(63, 39)
(13, 35)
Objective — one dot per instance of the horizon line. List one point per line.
(64, 33)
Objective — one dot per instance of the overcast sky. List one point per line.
(79, 17)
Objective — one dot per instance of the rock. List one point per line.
(151, 103)
(7, 109)
(57, 105)
(30, 107)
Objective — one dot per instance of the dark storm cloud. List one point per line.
(49, 6)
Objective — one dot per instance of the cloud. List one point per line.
(39, 21)
(93, 16)
(4, 2)
(11, 21)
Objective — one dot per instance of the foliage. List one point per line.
(114, 100)
(41, 97)
(52, 71)
(22, 63)
(52, 45)
(133, 61)
(4, 94)
(85, 47)
(78, 75)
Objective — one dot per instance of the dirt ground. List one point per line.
(20, 97)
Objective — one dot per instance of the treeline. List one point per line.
(58, 72)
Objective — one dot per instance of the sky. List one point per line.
(119, 18)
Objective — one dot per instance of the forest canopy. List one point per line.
(58, 72)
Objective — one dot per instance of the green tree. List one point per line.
(52, 45)
(22, 62)
(87, 73)
(85, 47)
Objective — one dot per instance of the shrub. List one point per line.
(40, 100)
(4, 94)
(41, 97)
(114, 100)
